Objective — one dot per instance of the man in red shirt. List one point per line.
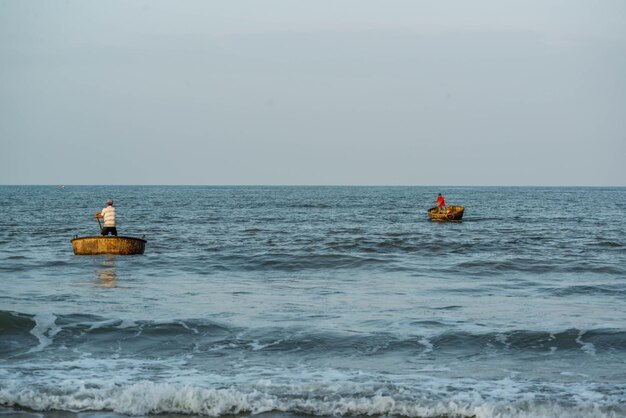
(440, 203)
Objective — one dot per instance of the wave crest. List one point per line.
(88, 333)
(504, 398)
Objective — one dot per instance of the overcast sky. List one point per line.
(529, 92)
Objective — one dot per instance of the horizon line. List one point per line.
(298, 185)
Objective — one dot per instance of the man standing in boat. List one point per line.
(440, 203)
(108, 214)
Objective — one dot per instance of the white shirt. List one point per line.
(108, 214)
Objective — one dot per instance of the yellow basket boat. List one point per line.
(108, 245)
(451, 213)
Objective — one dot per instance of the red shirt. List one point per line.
(440, 201)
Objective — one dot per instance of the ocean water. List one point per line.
(315, 301)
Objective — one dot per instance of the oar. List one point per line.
(98, 219)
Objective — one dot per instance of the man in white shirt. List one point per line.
(108, 214)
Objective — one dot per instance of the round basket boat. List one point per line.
(452, 213)
(108, 245)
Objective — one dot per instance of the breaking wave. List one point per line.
(28, 334)
(332, 395)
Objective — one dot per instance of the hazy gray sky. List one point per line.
(480, 92)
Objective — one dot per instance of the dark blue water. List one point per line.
(328, 301)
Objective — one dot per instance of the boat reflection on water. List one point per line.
(106, 273)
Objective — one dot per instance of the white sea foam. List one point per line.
(329, 392)
(256, 345)
(587, 347)
(503, 338)
(146, 397)
(45, 329)
(127, 323)
(101, 324)
(194, 330)
(428, 346)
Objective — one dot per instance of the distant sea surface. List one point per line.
(315, 301)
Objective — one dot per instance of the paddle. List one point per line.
(98, 219)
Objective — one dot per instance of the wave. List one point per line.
(610, 244)
(16, 264)
(497, 267)
(606, 290)
(589, 342)
(332, 252)
(29, 334)
(33, 333)
(309, 206)
(295, 262)
(333, 394)
(388, 253)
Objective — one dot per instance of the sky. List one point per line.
(316, 92)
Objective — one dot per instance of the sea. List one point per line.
(294, 302)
